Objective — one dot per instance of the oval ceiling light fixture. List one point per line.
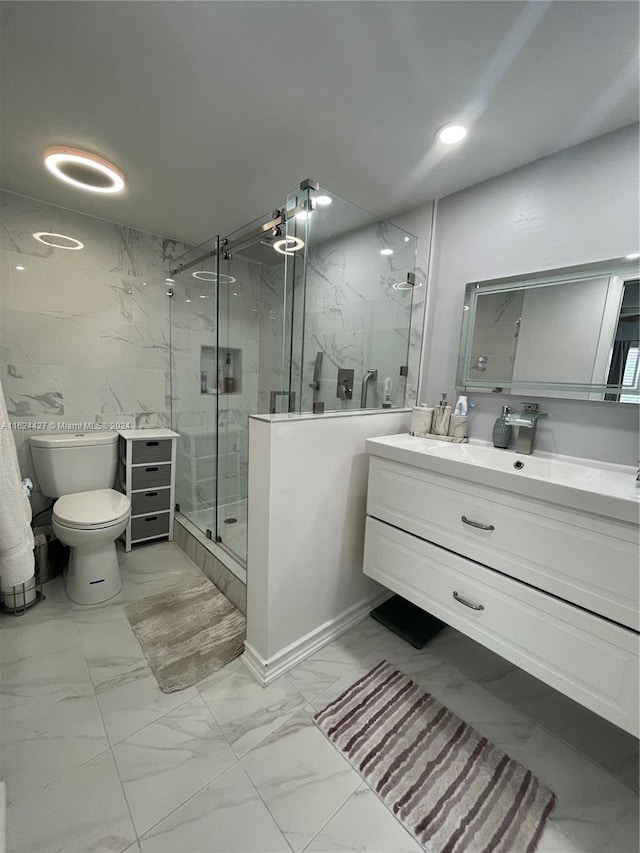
(83, 170)
(323, 200)
(386, 251)
(20, 269)
(57, 241)
(288, 245)
(452, 133)
(209, 275)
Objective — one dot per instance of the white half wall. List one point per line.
(307, 505)
(574, 207)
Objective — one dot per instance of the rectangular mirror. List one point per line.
(572, 333)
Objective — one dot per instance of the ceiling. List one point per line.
(215, 110)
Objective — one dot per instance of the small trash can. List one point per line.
(51, 555)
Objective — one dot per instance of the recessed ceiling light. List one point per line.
(386, 251)
(169, 280)
(203, 296)
(288, 245)
(406, 239)
(20, 268)
(323, 200)
(144, 283)
(633, 256)
(188, 300)
(58, 241)
(83, 170)
(452, 133)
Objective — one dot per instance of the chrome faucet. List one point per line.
(369, 375)
(527, 422)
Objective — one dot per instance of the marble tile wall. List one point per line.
(357, 319)
(84, 334)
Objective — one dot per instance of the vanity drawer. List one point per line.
(583, 558)
(146, 526)
(151, 450)
(150, 476)
(143, 503)
(582, 655)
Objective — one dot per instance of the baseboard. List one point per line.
(267, 670)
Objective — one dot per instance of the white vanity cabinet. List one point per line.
(553, 589)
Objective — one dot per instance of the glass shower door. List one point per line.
(249, 366)
(194, 384)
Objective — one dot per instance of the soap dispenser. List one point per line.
(441, 417)
(502, 430)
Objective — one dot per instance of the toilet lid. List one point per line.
(100, 508)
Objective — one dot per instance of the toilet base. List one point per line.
(93, 574)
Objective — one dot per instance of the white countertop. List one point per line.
(149, 434)
(583, 484)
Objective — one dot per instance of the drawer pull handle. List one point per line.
(467, 603)
(477, 524)
(151, 443)
(150, 494)
(151, 518)
(149, 470)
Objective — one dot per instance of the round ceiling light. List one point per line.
(83, 170)
(288, 245)
(452, 133)
(58, 241)
(323, 200)
(386, 251)
(209, 275)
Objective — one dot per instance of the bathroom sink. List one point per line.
(598, 487)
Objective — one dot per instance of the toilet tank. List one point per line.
(67, 462)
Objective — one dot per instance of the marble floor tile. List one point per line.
(301, 777)
(592, 807)
(37, 637)
(227, 816)
(472, 659)
(553, 840)
(364, 825)
(248, 712)
(45, 679)
(109, 644)
(84, 810)
(319, 672)
(168, 761)
(41, 742)
(595, 737)
(131, 699)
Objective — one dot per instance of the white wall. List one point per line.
(307, 505)
(575, 207)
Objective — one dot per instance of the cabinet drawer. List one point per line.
(143, 503)
(151, 450)
(146, 526)
(582, 655)
(150, 476)
(580, 557)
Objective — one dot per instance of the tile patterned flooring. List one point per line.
(97, 758)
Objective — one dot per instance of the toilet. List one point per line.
(79, 469)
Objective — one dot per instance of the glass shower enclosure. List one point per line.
(305, 309)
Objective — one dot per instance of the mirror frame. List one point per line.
(616, 267)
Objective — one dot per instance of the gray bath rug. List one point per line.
(452, 789)
(186, 633)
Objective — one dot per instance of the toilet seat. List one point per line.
(91, 510)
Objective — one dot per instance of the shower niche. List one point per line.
(220, 370)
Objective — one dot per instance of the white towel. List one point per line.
(16, 537)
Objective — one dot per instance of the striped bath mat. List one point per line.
(451, 788)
